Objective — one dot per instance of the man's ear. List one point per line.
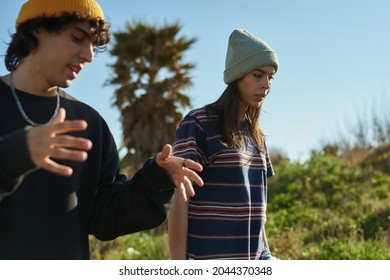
(37, 32)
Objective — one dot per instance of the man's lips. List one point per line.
(75, 68)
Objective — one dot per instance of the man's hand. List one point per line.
(49, 141)
(182, 171)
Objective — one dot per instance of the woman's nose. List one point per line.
(266, 83)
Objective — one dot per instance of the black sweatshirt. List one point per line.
(46, 216)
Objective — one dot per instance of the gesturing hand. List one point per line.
(50, 141)
(181, 171)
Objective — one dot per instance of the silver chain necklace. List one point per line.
(23, 113)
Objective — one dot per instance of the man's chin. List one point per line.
(66, 84)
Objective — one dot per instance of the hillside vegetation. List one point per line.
(331, 207)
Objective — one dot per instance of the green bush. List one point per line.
(328, 208)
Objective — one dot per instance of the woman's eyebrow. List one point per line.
(262, 71)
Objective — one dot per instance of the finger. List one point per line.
(56, 168)
(67, 126)
(192, 165)
(66, 154)
(184, 186)
(62, 126)
(194, 177)
(182, 190)
(60, 118)
(188, 186)
(166, 152)
(66, 141)
(43, 155)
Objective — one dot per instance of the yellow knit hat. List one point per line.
(54, 8)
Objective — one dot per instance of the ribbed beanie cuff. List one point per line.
(54, 8)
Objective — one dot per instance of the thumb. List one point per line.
(60, 118)
(166, 152)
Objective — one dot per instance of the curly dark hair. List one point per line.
(24, 42)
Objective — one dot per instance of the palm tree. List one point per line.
(151, 77)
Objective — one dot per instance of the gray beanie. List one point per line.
(246, 53)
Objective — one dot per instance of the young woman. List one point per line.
(225, 219)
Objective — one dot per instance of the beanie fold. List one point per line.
(248, 64)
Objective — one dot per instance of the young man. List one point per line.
(59, 166)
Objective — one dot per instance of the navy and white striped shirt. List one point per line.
(227, 215)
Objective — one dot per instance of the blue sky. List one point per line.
(334, 59)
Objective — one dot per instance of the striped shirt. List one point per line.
(226, 216)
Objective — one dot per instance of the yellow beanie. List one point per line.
(54, 8)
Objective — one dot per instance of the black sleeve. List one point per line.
(121, 205)
(15, 162)
(128, 206)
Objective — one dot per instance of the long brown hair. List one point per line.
(227, 107)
